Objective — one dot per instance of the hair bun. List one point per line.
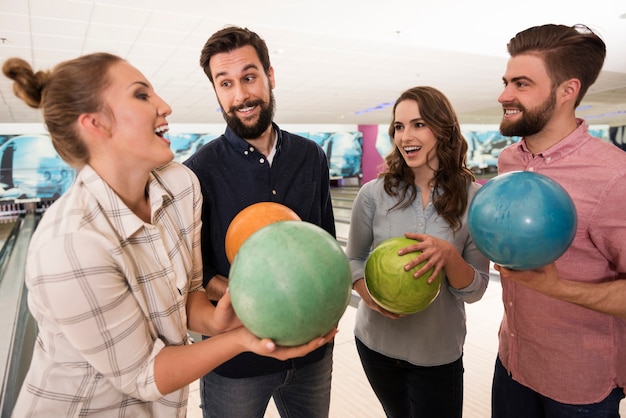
(27, 85)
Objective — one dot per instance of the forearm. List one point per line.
(208, 319)
(199, 311)
(178, 366)
(216, 287)
(605, 297)
(459, 273)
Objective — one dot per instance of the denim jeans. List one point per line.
(408, 391)
(298, 393)
(511, 399)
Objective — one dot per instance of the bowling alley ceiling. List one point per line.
(335, 61)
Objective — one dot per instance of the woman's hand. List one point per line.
(361, 289)
(267, 347)
(224, 317)
(434, 252)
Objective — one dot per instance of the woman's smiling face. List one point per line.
(415, 141)
(137, 116)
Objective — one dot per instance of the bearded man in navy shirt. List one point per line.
(255, 161)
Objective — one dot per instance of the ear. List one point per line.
(570, 89)
(270, 76)
(91, 125)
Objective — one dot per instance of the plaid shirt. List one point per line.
(108, 292)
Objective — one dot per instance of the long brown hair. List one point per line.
(451, 179)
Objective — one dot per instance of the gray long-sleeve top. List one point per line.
(436, 335)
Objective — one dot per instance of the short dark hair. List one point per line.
(229, 39)
(568, 52)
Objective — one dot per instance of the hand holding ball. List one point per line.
(290, 281)
(391, 286)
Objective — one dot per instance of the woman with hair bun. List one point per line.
(114, 271)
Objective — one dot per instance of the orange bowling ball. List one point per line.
(252, 218)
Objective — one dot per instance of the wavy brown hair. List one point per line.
(451, 179)
(64, 93)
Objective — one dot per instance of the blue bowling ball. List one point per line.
(522, 220)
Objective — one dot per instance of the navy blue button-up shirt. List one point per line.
(233, 174)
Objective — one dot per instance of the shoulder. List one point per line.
(473, 188)
(609, 153)
(174, 169)
(60, 245)
(179, 182)
(299, 141)
(205, 151)
(176, 175)
(511, 148)
(373, 189)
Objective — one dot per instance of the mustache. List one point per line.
(515, 104)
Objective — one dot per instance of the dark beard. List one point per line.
(532, 121)
(255, 131)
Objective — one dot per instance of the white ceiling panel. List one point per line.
(334, 61)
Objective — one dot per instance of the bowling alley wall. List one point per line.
(32, 175)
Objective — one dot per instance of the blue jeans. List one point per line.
(408, 391)
(298, 393)
(511, 399)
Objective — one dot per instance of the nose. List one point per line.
(505, 96)
(406, 133)
(241, 93)
(163, 109)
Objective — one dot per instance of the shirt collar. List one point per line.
(242, 146)
(577, 138)
(122, 219)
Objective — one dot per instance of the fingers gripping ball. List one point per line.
(251, 219)
(522, 220)
(290, 281)
(391, 286)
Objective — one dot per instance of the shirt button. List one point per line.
(251, 149)
(512, 334)
(510, 303)
(548, 159)
(261, 160)
(245, 153)
(531, 169)
(274, 192)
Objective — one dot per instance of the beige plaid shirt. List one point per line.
(108, 292)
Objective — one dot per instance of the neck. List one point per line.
(550, 135)
(132, 188)
(265, 142)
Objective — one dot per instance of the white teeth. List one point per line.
(161, 129)
(409, 149)
(246, 109)
(510, 111)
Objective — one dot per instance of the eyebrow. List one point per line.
(420, 119)
(515, 79)
(246, 68)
